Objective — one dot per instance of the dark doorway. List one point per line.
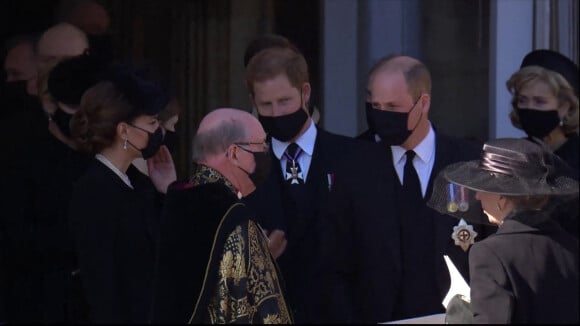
(298, 20)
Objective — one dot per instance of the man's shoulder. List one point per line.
(460, 148)
(328, 136)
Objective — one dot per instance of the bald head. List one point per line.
(416, 75)
(221, 128)
(215, 118)
(62, 40)
(90, 16)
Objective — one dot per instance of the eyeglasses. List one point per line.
(265, 144)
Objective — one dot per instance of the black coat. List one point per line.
(374, 281)
(359, 266)
(569, 152)
(526, 273)
(299, 219)
(36, 183)
(568, 215)
(115, 231)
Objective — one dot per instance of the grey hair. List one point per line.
(216, 140)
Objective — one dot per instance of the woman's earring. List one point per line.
(125, 144)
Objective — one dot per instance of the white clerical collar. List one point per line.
(424, 150)
(111, 166)
(305, 141)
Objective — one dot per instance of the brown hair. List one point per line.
(94, 126)
(559, 86)
(266, 41)
(417, 75)
(271, 62)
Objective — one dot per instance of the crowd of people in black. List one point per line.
(279, 221)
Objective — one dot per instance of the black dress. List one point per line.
(115, 232)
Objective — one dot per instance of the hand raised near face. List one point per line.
(161, 169)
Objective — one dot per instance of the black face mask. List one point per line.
(284, 127)
(390, 126)
(62, 120)
(538, 123)
(153, 143)
(263, 164)
(170, 140)
(16, 99)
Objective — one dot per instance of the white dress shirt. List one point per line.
(423, 161)
(306, 143)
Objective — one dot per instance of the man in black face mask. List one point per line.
(211, 248)
(397, 107)
(302, 176)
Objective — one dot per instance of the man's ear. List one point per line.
(306, 91)
(232, 154)
(425, 102)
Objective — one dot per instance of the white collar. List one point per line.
(424, 150)
(111, 166)
(305, 141)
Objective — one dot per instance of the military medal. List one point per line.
(463, 235)
(295, 173)
(451, 199)
(463, 199)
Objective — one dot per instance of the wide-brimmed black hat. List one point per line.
(515, 167)
(508, 166)
(554, 61)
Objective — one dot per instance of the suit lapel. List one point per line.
(318, 163)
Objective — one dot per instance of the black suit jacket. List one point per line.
(115, 231)
(526, 273)
(429, 241)
(359, 265)
(275, 210)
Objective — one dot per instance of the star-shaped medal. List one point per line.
(463, 235)
(295, 174)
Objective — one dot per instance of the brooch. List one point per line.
(463, 235)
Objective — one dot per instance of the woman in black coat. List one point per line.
(114, 210)
(545, 105)
(528, 271)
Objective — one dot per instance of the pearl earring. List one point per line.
(125, 144)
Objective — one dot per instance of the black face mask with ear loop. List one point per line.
(263, 164)
(285, 127)
(62, 120)
(154, 142)
(390, 126)
(538, 123)
(170, 140)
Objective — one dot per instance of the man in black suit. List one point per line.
(398, 103)
(289, 202)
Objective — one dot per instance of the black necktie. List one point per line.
(411, 183)
(293, 170)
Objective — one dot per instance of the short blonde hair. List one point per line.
(559, 86)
